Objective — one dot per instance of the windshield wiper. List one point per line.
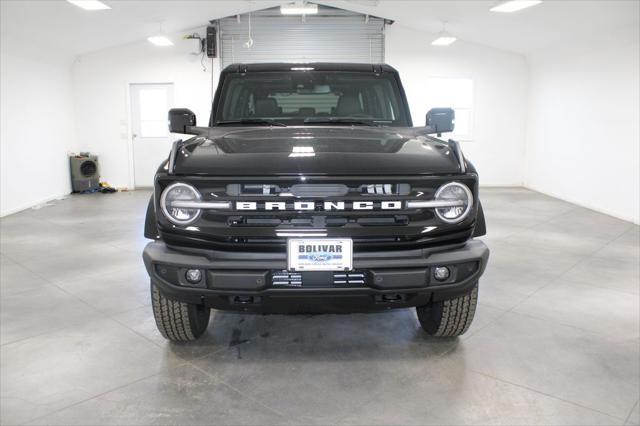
(322, 120)
(261, 121)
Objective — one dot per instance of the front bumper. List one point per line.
(258, 282)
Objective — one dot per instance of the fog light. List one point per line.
(193, 275)
(441, 273)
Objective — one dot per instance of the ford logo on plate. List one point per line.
(321, 257)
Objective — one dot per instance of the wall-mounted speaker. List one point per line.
(212, 46)
(85, 172)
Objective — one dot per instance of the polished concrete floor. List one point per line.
(556, 338)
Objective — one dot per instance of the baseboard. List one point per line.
(634, 220)
(31, 205)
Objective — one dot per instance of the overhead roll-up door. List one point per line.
(333, 35)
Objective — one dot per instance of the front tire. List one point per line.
(449, 318)
(178, 321)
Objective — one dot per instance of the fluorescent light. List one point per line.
(160, 41)
(514, 5)
(299, 9)
(444, 40)
(89, 4)
(302, 151)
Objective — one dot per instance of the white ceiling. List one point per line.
(65, 27)
(550, 25)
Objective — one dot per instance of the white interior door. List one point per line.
(150, 104)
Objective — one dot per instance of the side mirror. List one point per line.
(180, 119)
(441, 120)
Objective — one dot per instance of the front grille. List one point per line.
(265, 212)
(348, 278)
(286, 279)
(315, 190)
(292, 220)
(385, 189)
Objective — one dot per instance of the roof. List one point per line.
(316, 66)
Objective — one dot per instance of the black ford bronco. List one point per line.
(310, 191)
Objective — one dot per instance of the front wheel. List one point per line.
(449, 318)
(178, 321)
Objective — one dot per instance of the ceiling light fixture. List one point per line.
(445, 38)
(514, 5)
(299, 8)
(89, 4)
(160, 40)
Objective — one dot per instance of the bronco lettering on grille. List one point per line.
(320, 205)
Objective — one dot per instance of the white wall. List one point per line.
(583, 134)
(36, 128)
(500, 96)
(579, 114)
(500, 81)
(101, 82)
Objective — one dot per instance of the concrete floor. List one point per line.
(555, 341)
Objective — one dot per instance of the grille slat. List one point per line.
(340, 279)
(286, 279)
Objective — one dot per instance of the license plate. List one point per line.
(320, 254)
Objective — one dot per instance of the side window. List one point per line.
(456, 93)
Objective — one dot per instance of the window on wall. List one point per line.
(153, 113)
(456, 93)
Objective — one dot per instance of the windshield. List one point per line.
(312, 97)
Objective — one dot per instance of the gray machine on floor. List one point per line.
(85, 172)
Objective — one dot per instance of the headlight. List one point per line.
(179, 192)
(454, 191)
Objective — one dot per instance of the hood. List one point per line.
(318, 150)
